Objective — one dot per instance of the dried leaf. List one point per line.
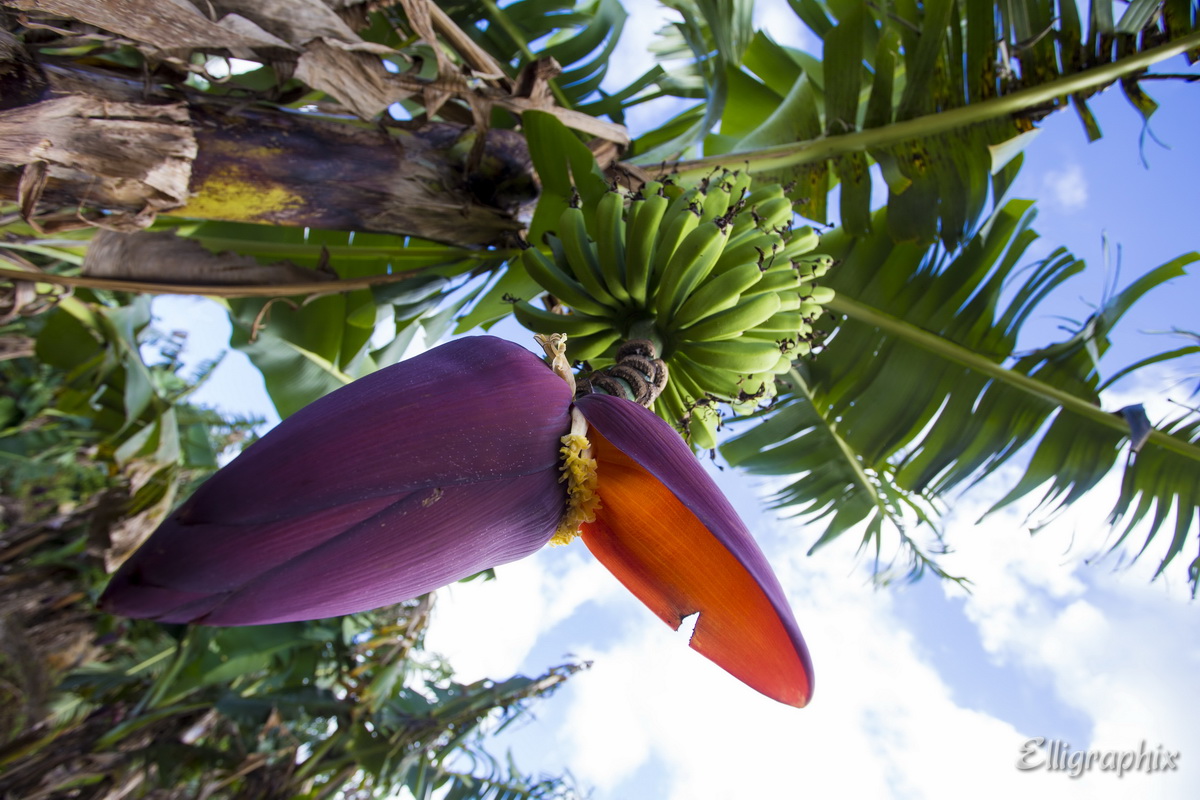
(297, 22)
(357, 80)
(419, 18)
(115, 154)
(162, 25)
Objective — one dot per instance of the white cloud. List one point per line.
(1067, 187)
(487, 628)
(1119, 650)
(882, 722)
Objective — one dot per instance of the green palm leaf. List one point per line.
(715, 35)
(918, 391)
(928, 92)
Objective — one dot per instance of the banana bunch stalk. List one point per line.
(713, 275)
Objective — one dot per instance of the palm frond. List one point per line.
(715, 35)
(923, 387)
(934, 94)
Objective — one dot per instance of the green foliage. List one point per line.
(945, 399)
(306, 348)
(935, 94)
(918, 393)
(304, 708)
(90, 406)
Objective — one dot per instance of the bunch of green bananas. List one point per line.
(713, 274)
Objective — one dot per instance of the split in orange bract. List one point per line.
(662, 553)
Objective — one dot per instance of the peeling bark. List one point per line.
(116, 149)
(357, 80)
(287, 170)
(214, 162)
(83, 150)
(163, 24)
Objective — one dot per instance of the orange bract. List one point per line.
(663, 554)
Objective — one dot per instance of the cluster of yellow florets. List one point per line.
(579, 472)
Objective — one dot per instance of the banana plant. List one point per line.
(944, 399)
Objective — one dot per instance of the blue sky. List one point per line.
(923, 691)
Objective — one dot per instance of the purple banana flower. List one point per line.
(471, 455)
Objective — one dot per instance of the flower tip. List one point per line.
(665, 530)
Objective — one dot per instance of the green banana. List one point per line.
(763, 193)
(651, 187)
(539, 320)
(782, 322)
(733, 322)
(551, 277)
(741, 185)
(765, 335)
(811, 310)
(673, 232)
(789, 301)
(672, 190)
(702, 426)
(813, 266)
(679, 203)
(742, 356)
(640, 235)
(716, 200)
(610, 244)
(748, 249)
(774, 214)
(717, 293)
(670, 405)
(784, 364)
(802, 240)
(581, 254)
(688, 388)
(707, 380)
(820, 294)
(776, 280)
(689, 265)
(585, 348)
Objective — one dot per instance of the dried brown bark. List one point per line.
(194, 154)
(100, 141)
(260, 166)
(83, 150)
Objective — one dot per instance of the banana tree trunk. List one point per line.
(84, 142)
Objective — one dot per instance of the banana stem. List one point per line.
(646, 329)
(794, 154)
(209, 290)
(972, 360)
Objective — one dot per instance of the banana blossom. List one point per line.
(471, 455)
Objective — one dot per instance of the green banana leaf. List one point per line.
(714, 36)
(306, 348)
(919, 392)
(937, 95)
